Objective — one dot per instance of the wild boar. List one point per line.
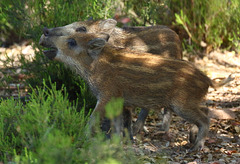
(159, 40)
(142, 79)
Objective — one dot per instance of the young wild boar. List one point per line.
(159, 40)
(141, 79)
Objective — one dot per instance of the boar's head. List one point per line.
(76, 51)
(90, 26)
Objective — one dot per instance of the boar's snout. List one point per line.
(45, 41)
(41, 41)
(45, 36)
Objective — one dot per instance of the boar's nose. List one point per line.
(46, 31)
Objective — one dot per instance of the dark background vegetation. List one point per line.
(203, 26)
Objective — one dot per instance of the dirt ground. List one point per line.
(223, 142)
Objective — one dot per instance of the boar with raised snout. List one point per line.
(141, 79)
(159, 40)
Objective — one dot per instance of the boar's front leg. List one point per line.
(106, 127)
(127, 117)
(99, 111)
(115, 125)
(138, 126)
(167, 118)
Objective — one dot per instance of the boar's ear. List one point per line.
(108, 25)
(95, 47)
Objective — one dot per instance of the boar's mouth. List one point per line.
(50, 54)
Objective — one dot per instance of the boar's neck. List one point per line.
(118, 37)
(81, 67)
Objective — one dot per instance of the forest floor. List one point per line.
(223, 142)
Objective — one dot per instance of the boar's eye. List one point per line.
(81, 29)
(71, 42)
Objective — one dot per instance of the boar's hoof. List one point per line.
(197, 147)
(193, 134)
(137, 127)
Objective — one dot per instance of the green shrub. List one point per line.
(212, 24)
(47, 109)
(49, 129)
(10, 111)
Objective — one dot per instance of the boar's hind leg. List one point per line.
(194, 128)
(199, 118)
(138, 125)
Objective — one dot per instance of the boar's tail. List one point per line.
(216, 85)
